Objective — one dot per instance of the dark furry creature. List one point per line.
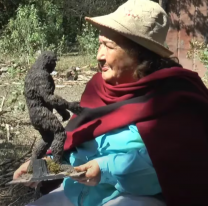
(39, 94)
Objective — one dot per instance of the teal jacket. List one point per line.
(125, 168)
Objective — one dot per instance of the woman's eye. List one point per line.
(109, 46)
(105, 45)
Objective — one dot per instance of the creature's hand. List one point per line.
(65, 116)
(22, 170)
(64, 113)
(75, 107)
(92, 176)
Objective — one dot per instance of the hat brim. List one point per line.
(108, 22)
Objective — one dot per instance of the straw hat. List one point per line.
(142, 21)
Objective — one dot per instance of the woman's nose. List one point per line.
(101, 53)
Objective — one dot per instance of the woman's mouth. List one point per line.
(104, 69)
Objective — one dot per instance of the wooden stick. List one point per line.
(14, 201)
(7, 162)
(6, 175)
(3, 183)
(2, 104)
(8, 132)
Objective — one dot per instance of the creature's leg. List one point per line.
(57, 145)
(52, 132)
(57, 148)
(59, 136)
(42, 118)
(41, 147)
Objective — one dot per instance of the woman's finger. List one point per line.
(81, 168)
(81, 178)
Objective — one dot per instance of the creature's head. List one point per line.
(47, 60)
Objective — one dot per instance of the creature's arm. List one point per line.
(46, 89)
(130, 172)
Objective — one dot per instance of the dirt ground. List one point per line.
(17, 136)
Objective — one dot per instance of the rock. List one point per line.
(70, 74)
(77, 69)
(17, 133)
(54, 73)
(15, 65)
(4, 69)
(3, 65)
(60, 86)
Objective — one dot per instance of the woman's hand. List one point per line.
(92, 176)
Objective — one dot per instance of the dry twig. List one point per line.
(3, 183)
(15, 160)
(6, 175)
(8, 131)
(2, 104)
(14, 201)
(7, 162)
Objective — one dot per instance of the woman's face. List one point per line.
(115, 62)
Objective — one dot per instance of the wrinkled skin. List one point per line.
(39, 94)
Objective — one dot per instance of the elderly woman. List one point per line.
(144, 130)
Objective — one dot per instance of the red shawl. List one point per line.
(170, 110)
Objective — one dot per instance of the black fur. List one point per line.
(39, 94)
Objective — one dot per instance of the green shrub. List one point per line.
(198, 50)
(26, 33)
(204, 57)
(88, 40)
